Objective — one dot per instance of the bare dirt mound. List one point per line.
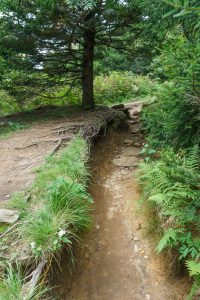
(117, 261)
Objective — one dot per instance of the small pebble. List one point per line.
(146, 257)
(97, 226)
(136, 239)
(147, 297)
(137, 144)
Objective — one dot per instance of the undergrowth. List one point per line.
(60, 190)
(113, 87)
(12, 285)
(172, 184)
(6, 129)
(59, 211)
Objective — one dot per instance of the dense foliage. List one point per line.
(172, 124)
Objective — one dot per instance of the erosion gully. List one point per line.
(116, 261)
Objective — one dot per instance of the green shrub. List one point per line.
(174, 118)
(6, 129)
(8, 104)
(120, 87)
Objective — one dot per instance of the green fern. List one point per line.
(169, 239)
(194, 270)
(193, 267)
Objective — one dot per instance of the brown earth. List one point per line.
(23, 152)
(116, 260)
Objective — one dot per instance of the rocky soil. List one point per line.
(116, 260)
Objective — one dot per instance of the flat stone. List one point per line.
(129, 161)
(118, 106)
(128, 142)
(137, 144)
(133, 121)
(135, 130)
(8, 216)
(135, 118)
(135, 111)
(131, 151)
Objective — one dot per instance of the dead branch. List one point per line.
(30, 286)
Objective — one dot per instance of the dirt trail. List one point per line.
(22, 152)
(116, 261)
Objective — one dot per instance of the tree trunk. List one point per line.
(87, 65)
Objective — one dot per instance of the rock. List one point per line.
(137, 144)
(128, 142)
(135, 118)
(135, 130)
(147, 297)
(136, 239)
(130, 161)
(8, 216)
(131, 151)
(145, 257)
(135, 111)
(118, 106)
(133, 121)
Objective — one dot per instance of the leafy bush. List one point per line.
(120, 87)
(174, 118)
(8, 128)
(7, 103)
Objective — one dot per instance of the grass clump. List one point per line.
(12, 285)
(41, 231)
(66, 214)
(60, 189)
(19, 202)
(70, 164)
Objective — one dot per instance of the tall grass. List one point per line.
(58, 215)
(12, 285)
(64, 203)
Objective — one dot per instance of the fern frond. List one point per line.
(169, 239)
(192, 161)
(193, 267)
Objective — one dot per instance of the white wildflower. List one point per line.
(32, 245)
(61, 233)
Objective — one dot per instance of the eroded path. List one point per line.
(116, 261)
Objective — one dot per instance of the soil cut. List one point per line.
(116, 261)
